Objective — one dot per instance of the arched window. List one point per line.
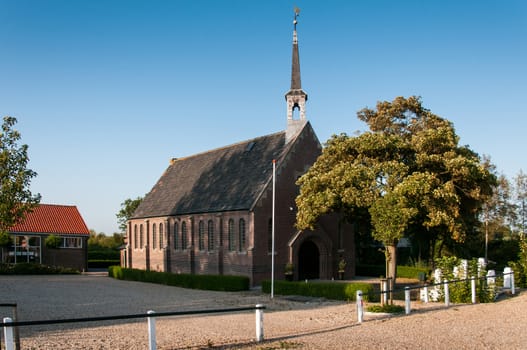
(154, 236)
(141, 237)
(231, 235)
(201, 235)
(136, 242)
(210, 235)
(176, 236)
(184, 235)
(241, 239)
(270, 236)
(161, 236)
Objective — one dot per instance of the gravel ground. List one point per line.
(288, 324)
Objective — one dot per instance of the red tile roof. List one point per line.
(51, 218)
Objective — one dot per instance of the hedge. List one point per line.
(206, 282)
(102, 263)
(35, 269)
(380, 270)
(329, 290)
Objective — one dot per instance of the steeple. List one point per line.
(296, 97)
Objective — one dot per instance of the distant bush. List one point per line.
(380, 270)
(34, 269)
(102, 263)
(329, 290)
(103, 254)
(411, 272)
(387, 308)
(205, 282)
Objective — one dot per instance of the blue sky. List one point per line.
(106, 92)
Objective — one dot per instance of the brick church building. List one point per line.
(211, 213)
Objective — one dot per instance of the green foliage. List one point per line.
(100, 241)
(329, 290)
(16, 200)
(128, 208)
(520, 265)
(379, 270)
(102, 263)
(205, 282)
(102, 247)
(460, 288)
(386, 308)
(34, 269)
(5, 239)
(53, 241)
(408, 171)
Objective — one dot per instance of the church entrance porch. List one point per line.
(308, 261)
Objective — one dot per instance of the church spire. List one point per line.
(296, 97)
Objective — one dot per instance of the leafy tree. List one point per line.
(127, 210)
(5, 241)
(53, 241)
(16, 200)
(408, 171)
(521, 200)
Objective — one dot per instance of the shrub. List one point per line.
(206, 282)
(387, 308)
(380, 270)
(329, 290)
(460, 288)
(102, 263)
(34, 269)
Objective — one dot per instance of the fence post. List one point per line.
(8, 335)
(407, 300)
(473, 288)
(360, 307)
(151, 331)
(507, 277)
(384, 291)
(447, 293)
(513, 289)
(259, 323)
(426, 293)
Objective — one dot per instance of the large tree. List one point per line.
(127, 209)
(16, 199)
(408, 172)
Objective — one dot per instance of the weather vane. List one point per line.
(297, 13)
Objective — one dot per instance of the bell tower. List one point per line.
(296, 97)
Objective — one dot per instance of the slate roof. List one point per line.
(51, 218)
(224, 179)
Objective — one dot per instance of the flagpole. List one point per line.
(272, 230)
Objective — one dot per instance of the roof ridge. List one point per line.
(227, 146)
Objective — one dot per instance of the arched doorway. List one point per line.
(308, 261)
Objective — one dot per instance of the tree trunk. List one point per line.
(391, 262)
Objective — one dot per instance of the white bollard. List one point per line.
(8, 335)
(426, 293)
(385, 290)
(513, 289)
(473, 288)
(491, 278)
(407, 300)
(360, 307)
(151, 331)
(259, 323)
(507, 277)
(447, 294)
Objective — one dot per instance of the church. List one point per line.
(212, 212)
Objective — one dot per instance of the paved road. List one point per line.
(92, 295)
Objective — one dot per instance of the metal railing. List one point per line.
(508, 284)
(10, 326)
